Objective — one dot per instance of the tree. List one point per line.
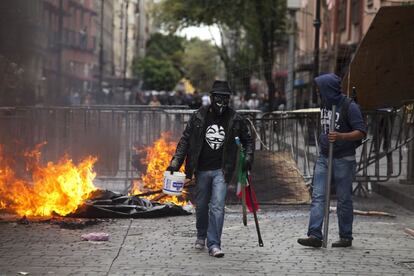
(200, 62)
(170, 57)
(162, 67)
(157, 74)
(166, 47)
(269, 21)
(258, 28)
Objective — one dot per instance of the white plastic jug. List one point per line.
(173, 183)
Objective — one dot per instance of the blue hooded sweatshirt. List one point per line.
(330, 91)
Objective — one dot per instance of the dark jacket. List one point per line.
(190, 144)
(331, 94)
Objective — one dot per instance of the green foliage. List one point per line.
(166, 47)
(161, 69)
(257, 28)
(170, 57)
(157, 74)
(260, 21)
(200, 62)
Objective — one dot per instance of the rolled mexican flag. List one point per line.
(243, 182)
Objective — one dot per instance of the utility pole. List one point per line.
(317, 25)
(101, 53)
(57, 95)
(290, 99)
(293, 6)
(125, 46)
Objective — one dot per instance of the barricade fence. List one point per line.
(382, 156)
(108, 132)
(111, 133)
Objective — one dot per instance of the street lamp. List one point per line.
(125, 46)
(293, 6)
(101, 53)
(317, 25)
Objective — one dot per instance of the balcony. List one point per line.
(79, 41)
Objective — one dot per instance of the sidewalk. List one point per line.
(164, 246)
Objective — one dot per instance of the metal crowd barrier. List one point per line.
(381, 157)
(295, 132)
(112, 132)
(108, 132)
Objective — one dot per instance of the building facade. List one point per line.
(24, 48)
(105, 17)
(145, 26)
(344, 24)
(48, 48)
(125, 36)
(79, 44)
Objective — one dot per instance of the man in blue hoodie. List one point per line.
(349, 128)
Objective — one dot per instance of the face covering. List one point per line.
(220, 103)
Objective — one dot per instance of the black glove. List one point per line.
(172, 169)
(247, 166)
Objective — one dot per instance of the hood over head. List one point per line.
(329, 88)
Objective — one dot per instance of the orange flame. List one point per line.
(56, 188)
(157, 160)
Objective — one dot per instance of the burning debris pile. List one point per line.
(156, 161)
(66, 189)
(107, 204)
(44, 190)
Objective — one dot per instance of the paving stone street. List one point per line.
(164, 246)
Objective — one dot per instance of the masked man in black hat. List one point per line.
(209, 148)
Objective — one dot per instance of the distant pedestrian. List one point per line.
(179, 98)
(205, 100)
(349, 127)
(239, 102)
(280, 101)
(154, 101)
(264, 103)
(253, 103)
(195, 102)
(140, 98)
(75, 99)
(213, 160)
(88, 99)
(243, 103)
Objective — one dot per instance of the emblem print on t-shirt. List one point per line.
(215, 136)
(326, 120)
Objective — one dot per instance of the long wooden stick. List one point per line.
(409, 231)
(244, 205)
(328, 181)
(256, 221)
(242, 187)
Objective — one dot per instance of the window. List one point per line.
(342, 15)
(355, 12)
(82, 18)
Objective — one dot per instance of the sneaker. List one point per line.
(342, 243)
(310, 241)
(216, 252)
(200, 244)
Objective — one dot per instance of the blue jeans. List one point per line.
(343, 173)
(210, 200)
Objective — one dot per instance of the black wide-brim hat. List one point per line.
(221, 87)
